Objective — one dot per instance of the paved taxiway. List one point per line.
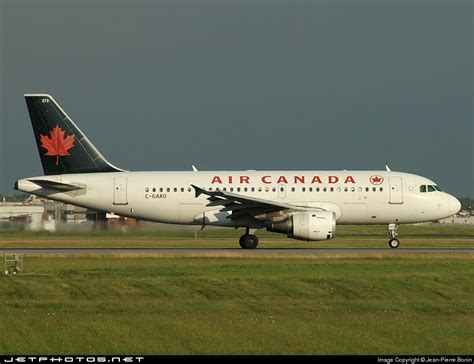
(234, 251)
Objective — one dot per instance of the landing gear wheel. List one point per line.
(248, 241)
(394, 243)
(392, 233)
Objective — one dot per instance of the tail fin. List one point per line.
(62, 146)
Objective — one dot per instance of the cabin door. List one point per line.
(120, 191)
(396, 191)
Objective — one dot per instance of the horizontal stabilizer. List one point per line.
(53, 185)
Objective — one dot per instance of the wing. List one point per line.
(240, 205)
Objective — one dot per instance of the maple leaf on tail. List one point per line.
(57, 145)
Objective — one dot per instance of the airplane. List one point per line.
(304, 205)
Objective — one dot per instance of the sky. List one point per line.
(230, 85)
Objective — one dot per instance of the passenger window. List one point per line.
(245, 189)
(232, 189)
(346, 189)
(331, 189)
(431, 188)
(267, 189)
(153, 189)
(324, 189)
(253, 189)
(182, 189)
(292, 189)
(274, 189)
(359, 189)
(161, 189)
(260, 189)
(339, 189)
(175, 189)
(374, 189)
(381, 189)
(353, 189)
(311, 189)
(147, 189)
(317, 189)
(238, 189)
(422, 188)
(367, 189)
(303, 189)
(168, 189)
(224, 189)
(281, 189)
(189, 189)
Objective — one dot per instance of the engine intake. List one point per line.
(309, 226)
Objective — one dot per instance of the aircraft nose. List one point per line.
(453, 204)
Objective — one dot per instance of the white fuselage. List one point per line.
(356, 197)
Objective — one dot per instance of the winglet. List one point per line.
(197, 190)
(387, 168)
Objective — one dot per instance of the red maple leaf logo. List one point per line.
(376, 180)
(57, 145)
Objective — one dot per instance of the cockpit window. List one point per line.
(438, 188)
(429, 188)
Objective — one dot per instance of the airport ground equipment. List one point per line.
(13, 263)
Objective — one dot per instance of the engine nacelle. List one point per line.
(312, 225)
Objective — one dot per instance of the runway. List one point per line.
(233, 251)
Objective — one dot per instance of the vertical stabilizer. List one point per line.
(62, 146)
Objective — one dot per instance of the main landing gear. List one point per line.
(248, 241)
(393, 242)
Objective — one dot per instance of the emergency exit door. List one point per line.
(281, 191)
(120, 191)
(396, 190)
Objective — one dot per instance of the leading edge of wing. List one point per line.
(245, 200)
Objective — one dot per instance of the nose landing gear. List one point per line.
(392, 234)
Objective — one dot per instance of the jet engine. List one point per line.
(311, 225)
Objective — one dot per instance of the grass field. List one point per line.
(346, 236)
(330, 305)
(321, 304)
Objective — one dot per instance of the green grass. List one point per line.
(415, 304)
(321, 304)
(346, 236)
